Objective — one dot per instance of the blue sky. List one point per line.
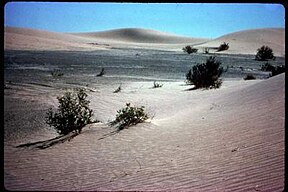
(188, 19)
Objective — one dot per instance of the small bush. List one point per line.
(118, 89)
(57, 74)
(278, 70)
(267, 67)
(73, 113)
(274, 70)
(101, 73)
(206, 50)
(264, 53)
(224, 46)
(249, 77)
(157, 85)
(206, 75)
(188, 49)
(129, 116)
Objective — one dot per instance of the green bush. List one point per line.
(206, 75)
(264, 53)
(188, 49)
(73, 113)
(249, 77)
(129, 116)
(224, 46)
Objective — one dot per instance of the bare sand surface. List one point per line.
(227, 139)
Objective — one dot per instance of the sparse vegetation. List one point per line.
(274, 70)
(249, 77)
(224, 46)
(206, 50)
(157, 85)
(128, 116)
(206, 75)
(188, 49)
(101, 73)
(57, 73)
(264, 53)
(118, 89)
(73, 113)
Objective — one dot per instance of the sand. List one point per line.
(242, 42)
(226, 139)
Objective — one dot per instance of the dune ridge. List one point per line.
(139, 35)
(248, 41)
(242, 42)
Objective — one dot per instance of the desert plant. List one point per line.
(188, 49)
(118, 89)
(57, 73)
(130, 115)
(157, 85)
(101, 73)
(224, 46)
(249, 77)
(73, 112)
(264, 53)
(278, 70)
(267, 67)
(274, 70)
(206, 75)
(206, 50)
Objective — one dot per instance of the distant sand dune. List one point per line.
(137, 35)
(248, 41)
(243, 42)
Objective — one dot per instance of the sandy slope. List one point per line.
(138, 35)
(227, 139)
(30, 39)
(242, 42)
(248, 41)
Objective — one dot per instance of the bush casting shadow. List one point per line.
(72, 115)
(206, 75)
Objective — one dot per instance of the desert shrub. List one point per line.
(267, 67)
(224, 46)
(206, 75)
(278, 70)
(57, 73)
(118, 89)
(157, 85)
(130, 115)
(73, 113)
(206, 50)
(264, 53)
(274, 70)
(249, 77)
(188, 49)
(102, 72)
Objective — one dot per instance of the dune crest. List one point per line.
(242, 42)
(138, 35)
(248, 41)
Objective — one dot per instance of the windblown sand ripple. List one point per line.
(227, 139)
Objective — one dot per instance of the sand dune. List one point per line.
(31, 39)
(248, 41)
(243, 42)
(227, 139)
(137, 35)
